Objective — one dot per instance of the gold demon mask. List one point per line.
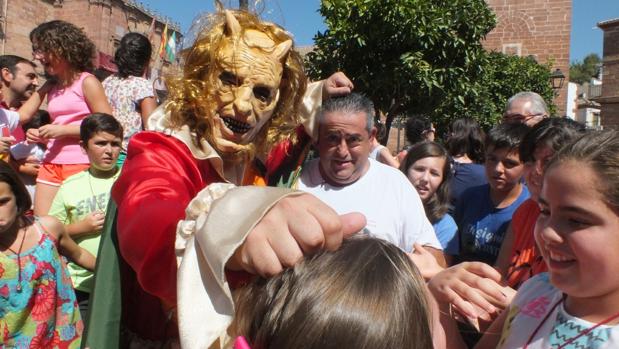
(242, 85)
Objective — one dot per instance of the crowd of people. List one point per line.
(254, 209)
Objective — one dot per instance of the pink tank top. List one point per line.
(67, 106)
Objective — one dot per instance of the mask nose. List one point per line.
(242, 101)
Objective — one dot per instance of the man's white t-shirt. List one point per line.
(390, 203)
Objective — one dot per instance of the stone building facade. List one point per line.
(104, 21)
(538, 28)
(609, 100)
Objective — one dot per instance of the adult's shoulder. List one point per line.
(386, 170)
(310, 174)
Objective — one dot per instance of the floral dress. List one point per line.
(42, 312)
(125, 96)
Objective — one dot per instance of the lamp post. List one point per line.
(556, 80)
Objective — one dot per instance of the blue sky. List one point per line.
(302, 19)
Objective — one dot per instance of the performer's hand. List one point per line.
(337, 84)
(294, 227)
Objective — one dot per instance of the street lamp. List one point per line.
(556, 80)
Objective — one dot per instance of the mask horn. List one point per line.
(219, 7)
(282, 49)
(233, 28)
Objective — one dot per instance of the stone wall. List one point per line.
(610, 75)
(539, 28)
(104, 21)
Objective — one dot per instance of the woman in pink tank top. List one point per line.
(65, 53)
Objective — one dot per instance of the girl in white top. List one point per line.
(575, 304)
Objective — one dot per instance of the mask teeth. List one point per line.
(236, 126)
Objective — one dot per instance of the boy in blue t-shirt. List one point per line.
(484, 212)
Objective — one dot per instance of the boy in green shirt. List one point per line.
(81, 201)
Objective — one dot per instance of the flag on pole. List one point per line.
(151, 30)
(164, 41)
(171, 47)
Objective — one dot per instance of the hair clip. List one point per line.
(241, 343)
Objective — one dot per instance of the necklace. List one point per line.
(18, 254)
(93, 193)
(570, 340)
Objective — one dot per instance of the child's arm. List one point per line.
(66, 246)
(91, 224)
(503, 260)
(492, 336)
(425, 261)
(472, 288)
(147, 106)
(469, 288)
(25, 166)
(95, 96)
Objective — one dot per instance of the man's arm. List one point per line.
(385, 157)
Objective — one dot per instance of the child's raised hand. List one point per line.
(94, 221)
(472, 288)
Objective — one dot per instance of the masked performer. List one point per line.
(186, 208)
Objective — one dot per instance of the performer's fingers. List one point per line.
(286, 248)
(259, 256)
(352, 223)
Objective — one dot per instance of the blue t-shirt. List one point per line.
(481, 225)
(446, 229)
(464, 176)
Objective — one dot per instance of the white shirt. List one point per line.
(391, 205)
(9, 119)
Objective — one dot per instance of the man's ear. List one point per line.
(6, 75)
(373, 132)
(83, 146)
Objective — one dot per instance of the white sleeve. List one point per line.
(9, 118)
(416, 226)
(21, 150)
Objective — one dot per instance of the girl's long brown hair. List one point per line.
(367, 294)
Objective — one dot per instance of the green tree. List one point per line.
(484, 98)
(419, 57)
(581, 72)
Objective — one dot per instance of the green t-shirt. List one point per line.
(78, 196)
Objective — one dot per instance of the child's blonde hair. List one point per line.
(367, 294)
(600, 150)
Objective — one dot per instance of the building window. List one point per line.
(512, 49)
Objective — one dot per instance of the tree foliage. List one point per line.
(422, 57)
(503, 76)
(581, 72)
